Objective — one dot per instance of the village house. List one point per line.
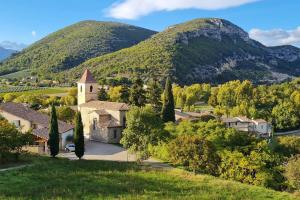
(26, 119)
(258, 126)
(103, 121)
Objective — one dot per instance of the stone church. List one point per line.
(103, 121)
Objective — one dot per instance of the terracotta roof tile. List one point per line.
(24, 112)
(87, 77)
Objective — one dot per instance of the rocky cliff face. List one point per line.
(246, 59)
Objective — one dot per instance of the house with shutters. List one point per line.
(103, 121)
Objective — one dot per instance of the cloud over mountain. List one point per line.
(133, 9)
(277, 37)
(12, 45)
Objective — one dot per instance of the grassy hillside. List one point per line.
(63, 179)
(201, 50)
(73, 45)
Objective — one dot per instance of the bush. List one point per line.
(287, 145)
(144, 128)
(292, 173)
(11, 141)
(195, 153)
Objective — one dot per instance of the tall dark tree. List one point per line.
(154, 95)
(124, 97)
(78, 136)
(53, 133)
(102, 95)
(137, 93)
(168, 112)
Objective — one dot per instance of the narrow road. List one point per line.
(13, 168)
(295, 132)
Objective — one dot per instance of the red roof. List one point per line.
(87, 77)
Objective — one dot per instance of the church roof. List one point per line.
(87, 77)
(106, 105)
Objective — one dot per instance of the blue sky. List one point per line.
(273, 22)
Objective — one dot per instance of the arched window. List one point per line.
(91, 88)
(81, 88)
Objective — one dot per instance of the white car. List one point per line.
(70, 148)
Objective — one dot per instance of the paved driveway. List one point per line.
(102, 151)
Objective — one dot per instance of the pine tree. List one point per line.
(78, 136)
(137, 93)
(102, 96)
(53, 133)
(168, 112)
(124, 97)
(154, 95)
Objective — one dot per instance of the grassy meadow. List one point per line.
(47, 91)
(82, 179)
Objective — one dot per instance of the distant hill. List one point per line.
(71, 46)
(5, 53)
(202, 50)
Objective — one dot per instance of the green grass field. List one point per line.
(48, 91)
(63, 179)
(17, 75)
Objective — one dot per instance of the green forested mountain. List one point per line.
(201, 50)
(73, 45)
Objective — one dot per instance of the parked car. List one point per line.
(70, 148)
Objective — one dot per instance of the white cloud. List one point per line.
(33, 33)
(12, 45)
(276, 37)
(133, 9)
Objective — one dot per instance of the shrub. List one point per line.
(195, 153)
(292, 173)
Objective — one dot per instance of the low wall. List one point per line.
(34, 149)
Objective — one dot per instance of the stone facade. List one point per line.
(103, 121)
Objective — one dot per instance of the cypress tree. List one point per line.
(78, 136)
(137, 93)
(124, 97)
(53, 133)
(154, 95)
(102, 96)
(168, 112)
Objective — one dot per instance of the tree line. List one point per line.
(208, 146)
(278, 104)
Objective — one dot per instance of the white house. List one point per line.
(259, 126)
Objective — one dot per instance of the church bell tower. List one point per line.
(87, 88)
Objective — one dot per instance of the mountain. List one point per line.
(202, 50)
(73, 45)
(5, 53)
(13, 45)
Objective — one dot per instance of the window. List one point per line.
(17, 123)
(34, 126)
(81, 88)
(94, 123)
(124, 122)
(91, 88)
(115, 134)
